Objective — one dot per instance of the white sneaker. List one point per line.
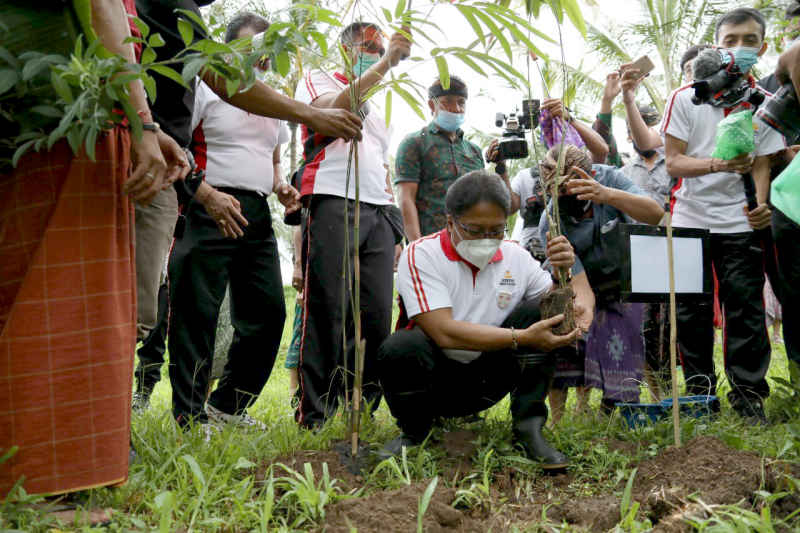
(217, 417)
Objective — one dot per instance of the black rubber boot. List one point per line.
(528, 433)
(529, 411)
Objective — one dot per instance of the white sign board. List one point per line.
(650, 269)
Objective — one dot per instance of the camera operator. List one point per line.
(710, 195)
(430, 160)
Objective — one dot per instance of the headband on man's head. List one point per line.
(457, 88)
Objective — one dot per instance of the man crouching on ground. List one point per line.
(475, 332)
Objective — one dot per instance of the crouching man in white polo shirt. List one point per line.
(475, 332)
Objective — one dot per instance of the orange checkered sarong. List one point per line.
(67, 318)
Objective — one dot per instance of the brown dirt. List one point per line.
(665, 487)
(345, 480)
(396, 511)
(556, 302)
(460, 447)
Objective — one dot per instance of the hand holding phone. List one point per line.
(644, 65)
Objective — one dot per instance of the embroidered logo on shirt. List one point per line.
(508, 280)
(503, 299)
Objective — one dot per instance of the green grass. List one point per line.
(182, 483)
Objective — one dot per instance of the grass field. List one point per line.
(472, 479)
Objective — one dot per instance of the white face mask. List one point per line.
(478, 251)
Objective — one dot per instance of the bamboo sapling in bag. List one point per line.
(785, 191)
(735, 136)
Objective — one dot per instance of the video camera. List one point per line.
(718, 81)
(781, 112)
(513, 144)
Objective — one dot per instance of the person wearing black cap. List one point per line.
(429, 160)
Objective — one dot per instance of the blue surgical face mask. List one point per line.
(449, 121)
(365, 60)
(745, 57)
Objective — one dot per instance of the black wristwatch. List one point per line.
(500, 168)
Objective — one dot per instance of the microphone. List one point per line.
(707, 63)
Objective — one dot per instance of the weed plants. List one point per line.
(234, 482)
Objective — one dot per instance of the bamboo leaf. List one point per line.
(466, 12)
(400, 8)
(387, 15)
(187, 32)
(410, 100)
(444, 72)
(496, 32)
(471, 64)
(573, 11)
(388, 107)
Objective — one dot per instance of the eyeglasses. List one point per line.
(476, 233)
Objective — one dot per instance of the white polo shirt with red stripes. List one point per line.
(712, 201)
(234, 147)
(431, 275)
(327, 173)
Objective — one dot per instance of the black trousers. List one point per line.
(787, 243)
(739, 263)
(421, 383)
(655, 331)
(151, 352)
(323, 359)
(202, 264)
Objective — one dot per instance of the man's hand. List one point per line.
(177, 163)
(493, 152)
(741, 164)
(297, 278)
(225, 210)
(587, 188)
(288, 196)
(398, 250)
(629, 80)
(540, 335)
(760, 217)
(612, 87)
(149, 168)
(583, 317)
(556, 108)
(333, 122)
(559, 251)
(399, 48)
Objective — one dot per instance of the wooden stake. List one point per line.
(673, 336)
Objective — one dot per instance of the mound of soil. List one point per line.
(345, 479)
(396, 511)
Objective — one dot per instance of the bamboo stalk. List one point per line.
(673, 336)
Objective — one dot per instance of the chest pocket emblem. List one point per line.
(503, 298)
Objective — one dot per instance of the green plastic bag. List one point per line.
(785, 191)
(735, 136)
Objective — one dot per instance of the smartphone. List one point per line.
(644, 65)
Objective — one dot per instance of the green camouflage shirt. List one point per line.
(429, 158)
